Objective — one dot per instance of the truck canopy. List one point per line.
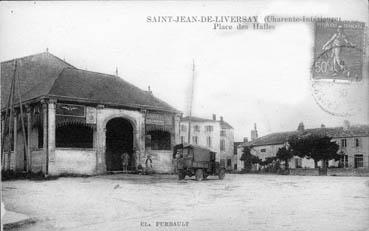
(200, 153)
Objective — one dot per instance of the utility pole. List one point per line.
(191, 100)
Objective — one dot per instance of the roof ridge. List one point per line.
(52, 85)
(45, 52)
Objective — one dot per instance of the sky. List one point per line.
(246, 76)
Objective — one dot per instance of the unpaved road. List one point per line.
(239, 202)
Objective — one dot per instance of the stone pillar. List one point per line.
(100, 141)
(51, 135)
(13, 158)
(45, 166)
(29, 131)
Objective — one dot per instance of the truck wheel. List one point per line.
(199, 174)
(181, 175)
(221, 174)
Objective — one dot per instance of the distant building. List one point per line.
(237, 165)
(212, 133)
(81, 122)
(353, 144)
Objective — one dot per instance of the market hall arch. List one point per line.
(119, 139)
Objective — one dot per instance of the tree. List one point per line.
(284, 154)
(248, 158)
(319, 148)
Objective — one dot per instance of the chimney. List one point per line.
(245, 140)
(116, 71)
(322, 126)
(149, 90)
(214, 117)
(301, 127)
(346, 125)
(221, 119)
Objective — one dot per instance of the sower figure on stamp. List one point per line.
(125, 161)
(335, 44)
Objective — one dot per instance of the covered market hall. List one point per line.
(58, 119)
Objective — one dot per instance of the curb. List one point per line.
(19, 224)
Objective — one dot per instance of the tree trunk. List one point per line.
(286, 164)
(324, 164)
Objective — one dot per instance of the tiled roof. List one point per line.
(197, 119)
(223, 123)
(46, 75)
(104, 89)
(36, 73)
(336, 132)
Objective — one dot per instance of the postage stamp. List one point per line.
(339, 49)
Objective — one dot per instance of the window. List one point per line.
(357, 142)
(196, 128)
(263, 150)
(298, 163)
(222, 133)
(222, 145)
(182, 139)
(343, 143)
(229, 163)
(235, 167)
(208, 141)
(344, 161)
(195, 139)
(183, 128)
(209, 128)
(358, 162)
(160, 140)
(74, 136)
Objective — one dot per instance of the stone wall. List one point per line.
(73, 161)
(305, 171)
(37, 160)
(348, 172)
(162, 161)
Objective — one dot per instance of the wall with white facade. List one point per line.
(351, 149)
(73, 161)
(215, 136)
(266, 151)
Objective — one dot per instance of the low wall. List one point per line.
(161, 161)
(305, 171)
(73, 161)
(37, 160)
(348, 172)
(9, 161)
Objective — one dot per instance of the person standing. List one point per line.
(148, 163)
(125, 161)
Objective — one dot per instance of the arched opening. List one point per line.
(119, 140)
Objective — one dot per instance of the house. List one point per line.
(80, 122)
(212, 133)
(353, 144)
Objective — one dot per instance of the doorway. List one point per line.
(119, 139)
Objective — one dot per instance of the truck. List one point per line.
(194, 160)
